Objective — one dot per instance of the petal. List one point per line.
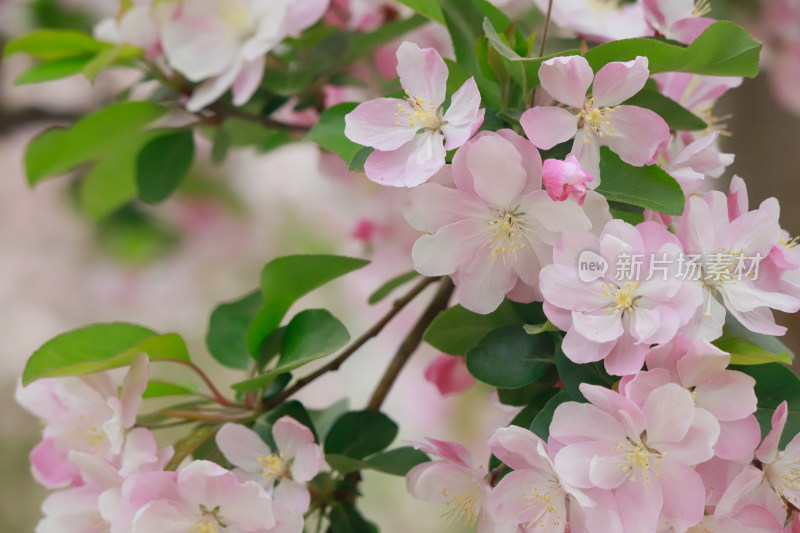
(638, 134)
(768, 450)
(575, 422)
(162, 516)
(669, 411)
(422, 72)
(410, 165)
(684, 494)
(300, 14)
(242, 446)
(548, 126)
(714, 395)
(450, 248)
(292, 494)
(520, 448)
(213, 88)
(307, 463)
(248, 80)
(290, 436)
(603, 327)
(431, 206)
(464, 105)
(485, 282)
(198, 46)
(567, 79)
(640, 505)
(449, 373)
(618, 81)
(738, 439)
(525, 496)
(374, 124)
(581, 350)
(496, 167)
(133, 386)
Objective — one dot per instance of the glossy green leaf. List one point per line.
(744, 352)
(310, 335)
(54, 70)
(776, 383)
(159, 389)
(396, 462)
(573, 374)
(49, 45)
(328, 132)
(426, 8)
(162, 164)
(345, 518)
(510, 358)
(324, 418)
(360, 159)
(226, 338)
(649, 186)
(456, 329)
(358, 434)
(386, 289)
(58, 150)
(286, 279)
(366, 43)
(101, 347)
(723, 49)
(771, 345)
(541, 422)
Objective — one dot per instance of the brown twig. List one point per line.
(411, 343)
(546, 27)
(222, 111)
(358, 343)
(216, 395)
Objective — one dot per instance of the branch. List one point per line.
(216, 395)
(411, 343)
(221, 112)
(546, 26)
(358, 343)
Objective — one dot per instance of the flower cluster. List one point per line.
(113, 478)
(667, 452)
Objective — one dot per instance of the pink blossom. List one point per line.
(74, 510)
(454, 482)
(296, 460)
(701, 368)
(491, 225)
(223, 43)
(619, 313)
(643, 454)
(690, 163)
(83, 414)
(138, 26)
(201, 496)
(601, 20)
(408, 134)
(634, 133)
(449, 373)
(532, 495)
(565, 179)
(780, 467)
(727, 254)
(679, 20)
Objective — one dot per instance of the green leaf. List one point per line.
(358, 434)
(159, 389)
(456, 330)
(100, 347)
(49, 45)
(496, 17)
(108, 58)
(744, 352)
(111, 183)
(573, 374)
(772, 345)
(649, 186)
(396, 462)
(675, 115)
(328, 132)
(541, 422)
(286, 279)
(776, 383)
(386, 289)
(324, 418)
(360, 159)
(426, 8)
(226, 338)
(162, 164)
(58, 150)
(53, 70)
(311, 335)
(723, 49)
(510, 358)
(189, 444)
(345, 518)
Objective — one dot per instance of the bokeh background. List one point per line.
(168, 267)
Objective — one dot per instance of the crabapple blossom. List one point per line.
(691, 162)
(449, 373)
(453, 481)
(223, 43)
(698, 94)
(296, 460)
(781, 468)
(201, 497)
(564, 179)
(634, 133)
(600, 20)
(491, 225)
(138, 25)
(408, 134)
(645, 455)
(620, 313)
(730, 251)
(83, 414)
(701, 368)
(679, 20)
